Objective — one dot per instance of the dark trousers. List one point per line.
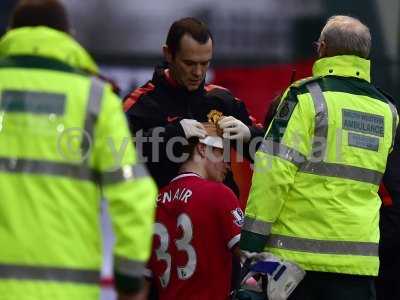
(333, 286)
(388, 281)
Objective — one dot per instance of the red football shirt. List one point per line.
(197, 223)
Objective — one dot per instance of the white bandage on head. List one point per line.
(213, 141)
(213, 137)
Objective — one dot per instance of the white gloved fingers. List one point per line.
(200, 126)
(192, 128)
(229, 136)
(227, 125)
(198, 132)
(231, 130)
(226, 119)
(236, 136)
(227, 122)
(234, 129)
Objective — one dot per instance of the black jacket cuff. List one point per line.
(128, 284)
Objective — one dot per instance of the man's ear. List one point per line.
(322, 49)
(167, 54)
(201, 149)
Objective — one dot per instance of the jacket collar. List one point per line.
(168, 77)
(48, 43)
(343, 65)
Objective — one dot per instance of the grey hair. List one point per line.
(344, 35)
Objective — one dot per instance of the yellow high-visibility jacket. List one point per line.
(64, 143)
(314, 196)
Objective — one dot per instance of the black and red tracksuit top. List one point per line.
(390, 186)
(161, 102)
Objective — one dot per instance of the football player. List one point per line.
(198, 221)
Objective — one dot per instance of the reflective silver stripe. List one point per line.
(256, 226)
(129, 267)
(32, 102)
(394, 114)
(47, 168)
(92, 112)
(317, 166)
(282, 151)
(124, 173)
(323, 247)
(321, 121)
(342, 171)
(8, 271)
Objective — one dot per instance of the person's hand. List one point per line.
(234, 129)
(193, 128)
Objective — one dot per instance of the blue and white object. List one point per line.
(283, 276)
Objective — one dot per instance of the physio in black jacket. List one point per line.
(388, 281)
(167, 111)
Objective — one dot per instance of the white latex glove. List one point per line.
(193, 128)
(234, 129)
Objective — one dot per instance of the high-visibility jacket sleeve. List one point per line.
(286, 144)
(128, 188)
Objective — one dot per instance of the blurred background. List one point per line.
(258, 43)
